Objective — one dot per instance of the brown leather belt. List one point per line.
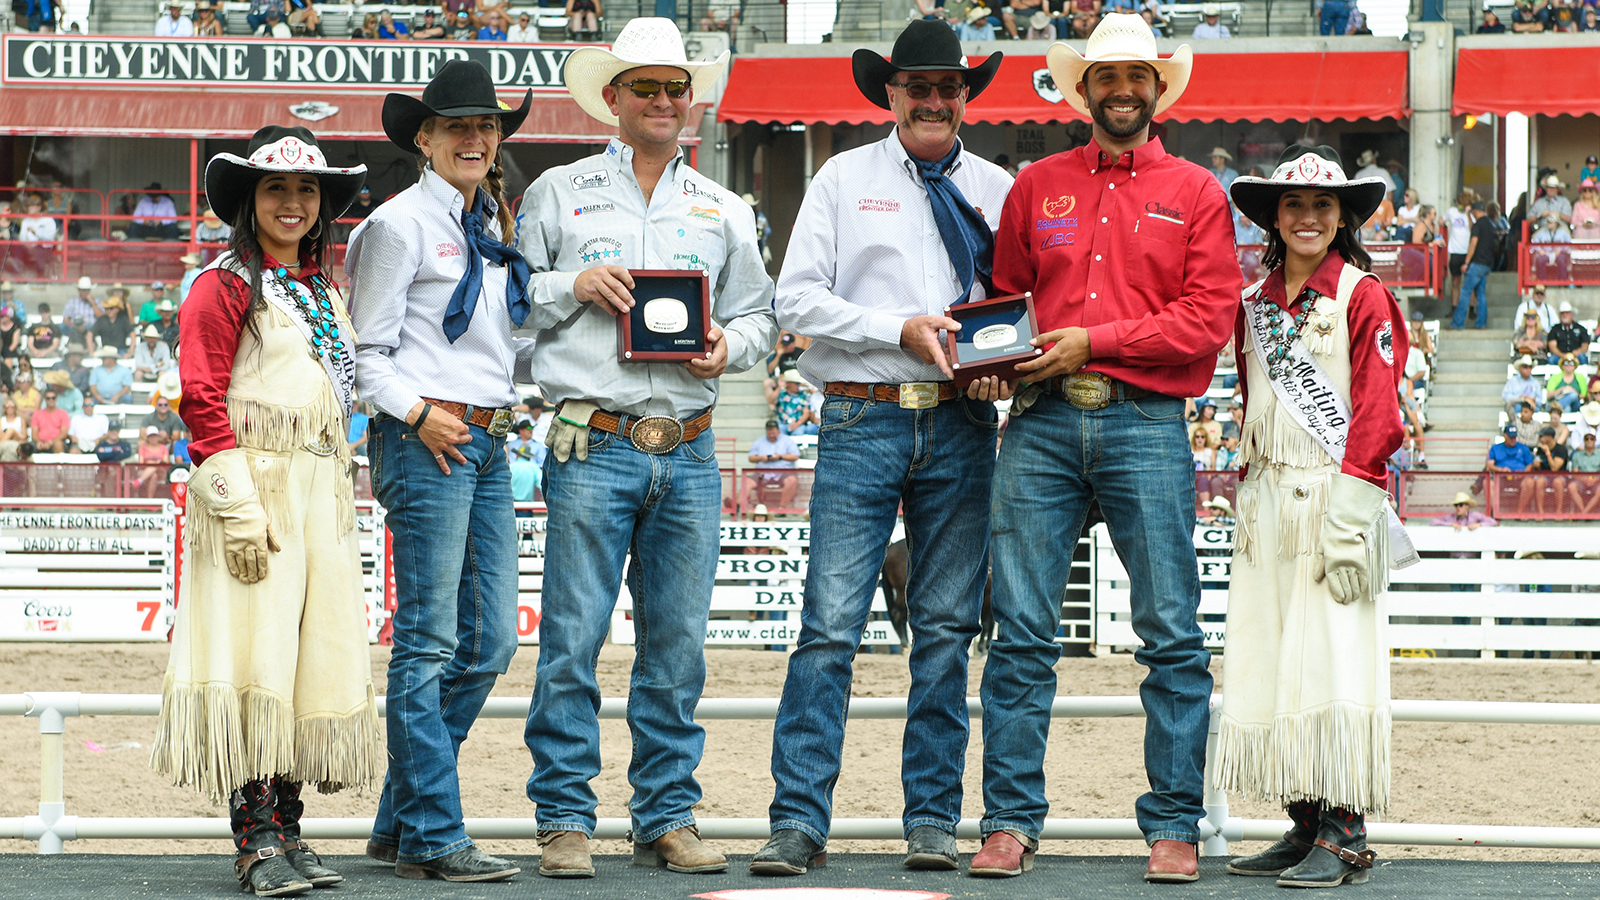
(498, 421)
(1092, 390)
(910, 395)
(652, 434)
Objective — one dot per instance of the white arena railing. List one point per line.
(52, 827)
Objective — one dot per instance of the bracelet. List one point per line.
(422, 416)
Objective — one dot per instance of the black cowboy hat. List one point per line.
(460, 88)
(1304, 167)
(277, 148)
(925, 46)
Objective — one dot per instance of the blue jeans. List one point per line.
(1134, 458)
(666, 510)
(871, 458)
(455, 628)
(1473, 284)
(1569, 402)
(1335, 16)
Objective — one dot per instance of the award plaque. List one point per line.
(670, 317)
(993, 338)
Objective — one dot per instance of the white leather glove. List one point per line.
(1355, 507)
(224, 484)
(569, 433)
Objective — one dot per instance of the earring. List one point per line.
(319, 231)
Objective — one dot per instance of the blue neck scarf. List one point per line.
(966, 235)
(480, 246)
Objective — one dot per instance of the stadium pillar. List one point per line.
(1435, 158)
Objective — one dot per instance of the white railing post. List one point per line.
(1216, 799)
(52, 826)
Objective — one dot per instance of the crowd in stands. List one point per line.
(453, 20)
(1049, 20)
(1530, 17)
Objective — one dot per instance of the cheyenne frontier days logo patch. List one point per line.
(868, 205)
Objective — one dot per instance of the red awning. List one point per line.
(1523, 80)
(1225, 87)
(112, 112)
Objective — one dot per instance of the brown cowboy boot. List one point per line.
(566, 855)
(680, 850)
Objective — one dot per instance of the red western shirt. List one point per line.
(208, 331)
(1138, 250)
(1379, 344)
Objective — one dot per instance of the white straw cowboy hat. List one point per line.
(1463, 497)
(1120, 37)
(645, 41)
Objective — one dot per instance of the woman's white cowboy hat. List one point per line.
(645, 41)
(1120, 37)
(1301, 167)
(1463, 497)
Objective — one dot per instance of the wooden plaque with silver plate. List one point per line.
(994, 337)
(670, 318)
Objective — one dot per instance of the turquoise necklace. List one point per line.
(318, 313)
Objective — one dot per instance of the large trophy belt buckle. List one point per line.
(919, 395)
(657, 434)
(1087, 390)
(501, 423)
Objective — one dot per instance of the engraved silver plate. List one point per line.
(995, 336)
(657, 434)
(665, 315)
(919, 395)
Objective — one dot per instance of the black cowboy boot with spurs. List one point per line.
(305, 860)
(1305, 817)
(261, 865)
(1339, 854)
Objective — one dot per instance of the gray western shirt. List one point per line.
(593, 213)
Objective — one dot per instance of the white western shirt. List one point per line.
(865, 255)
(593, 213)
(404, 263)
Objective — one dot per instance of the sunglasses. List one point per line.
(646, 88)
(921, 90)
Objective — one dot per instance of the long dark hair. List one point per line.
(246, 248)
(1346, 241)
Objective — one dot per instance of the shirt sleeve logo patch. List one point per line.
(1385, 341)
(600, 249)
(1057, 207)
(705, 213)
(447, 249)
(591, 180)
(594, 208)
(869, 205)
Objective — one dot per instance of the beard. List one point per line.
(1140, 121)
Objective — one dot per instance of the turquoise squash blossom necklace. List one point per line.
(325, 339)
(1281, 333)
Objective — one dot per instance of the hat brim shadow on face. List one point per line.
(589, 69)
(1258, 198)
(403, 117)
(872, 73)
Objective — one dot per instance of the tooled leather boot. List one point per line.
(305, 860)
(261, 865)
(1339, 854)
(1306, 816)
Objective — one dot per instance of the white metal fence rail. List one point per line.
(52, 826)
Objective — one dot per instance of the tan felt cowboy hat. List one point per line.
(644, 41)
(1463, 497)
(1120, 37)
(277, 149)
(1303, 167)
(924, 46)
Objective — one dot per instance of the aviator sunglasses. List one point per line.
(645, 88)
(921, 90)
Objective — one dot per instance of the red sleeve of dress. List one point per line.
(208, 332)
(1378, 347)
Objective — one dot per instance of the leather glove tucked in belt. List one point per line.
(1026, 396)
(1355, 508)
(223, 483)
(569, 433)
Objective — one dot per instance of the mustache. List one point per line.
(932, 115)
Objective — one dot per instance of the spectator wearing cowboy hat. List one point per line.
(269, 644)
(869, 282)
(1129, 253)
(435, 292)
(1522, 387)
(81, 309)
(1210, 27)
(1220, 157)
(1308, 585)
(606, 496)
(151, 356)
(1568, 337)
(1552, 201)
(191, 271)
(112, 329)
(168, 323)
(111, 382)
(169, 387)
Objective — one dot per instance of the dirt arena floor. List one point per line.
(1492, 774)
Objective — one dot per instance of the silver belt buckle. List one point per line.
(919, 395)
(657, 434)
(323, 447)
(501, 423)
(1087, 390)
